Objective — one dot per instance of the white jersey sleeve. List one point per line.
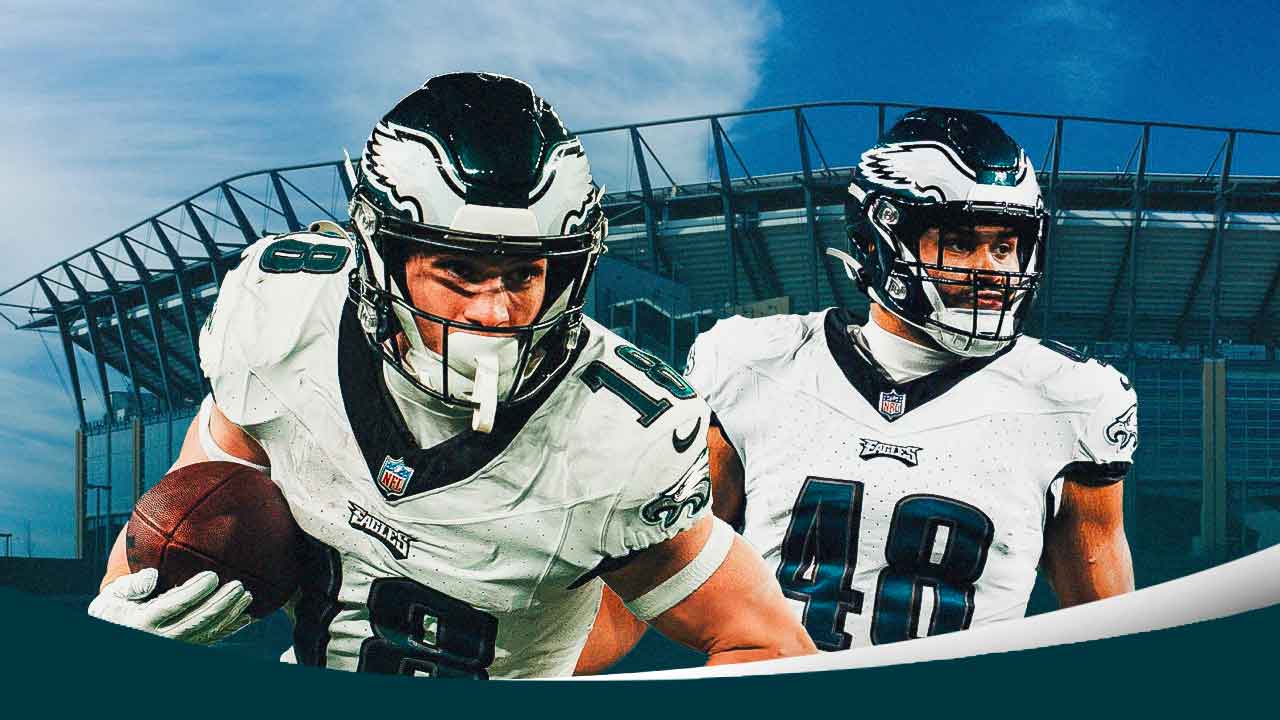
(702, 367)
(261, 317)
(1106, 407)
(721, 361)
(665, 480)
(661, 501)
(1110, 434)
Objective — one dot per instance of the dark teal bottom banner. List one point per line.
(58, 660)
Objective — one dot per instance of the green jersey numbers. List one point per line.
(288, 255)
(421, 631)
(598, 375)
(818, 554)
(935, 543)
(415, 630)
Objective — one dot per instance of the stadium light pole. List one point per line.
(97, 506)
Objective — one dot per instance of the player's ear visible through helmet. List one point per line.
(949, 171)
(478, 166)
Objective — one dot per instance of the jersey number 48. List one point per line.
(821, 547)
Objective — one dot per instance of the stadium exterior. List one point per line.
(1167, 266)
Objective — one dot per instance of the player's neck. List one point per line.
(895, 325)
(904, 351)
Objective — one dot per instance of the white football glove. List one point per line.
(197, 611)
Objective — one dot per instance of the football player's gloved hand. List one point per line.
(197, 611)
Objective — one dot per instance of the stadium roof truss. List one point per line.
(135, 301)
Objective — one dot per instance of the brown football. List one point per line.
(223, 517)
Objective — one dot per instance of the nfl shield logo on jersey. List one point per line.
(892, 404)
(393, 479)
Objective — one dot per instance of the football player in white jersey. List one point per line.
(467, 454)
(906, 478)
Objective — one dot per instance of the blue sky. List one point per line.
(114, 113)
(1155, 60)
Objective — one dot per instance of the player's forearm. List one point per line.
(738, 615)
(117, 561)
(773, 641)
(1115, 576)
(1086, 552)
(1087, 561)
(759, 630)
(1098, 566)
(615, 632)
(763, 626)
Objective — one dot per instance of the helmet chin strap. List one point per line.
(988, 321)
(851, 267)
(485, 390)
(983, 322)
(481, 367)
(430, 420)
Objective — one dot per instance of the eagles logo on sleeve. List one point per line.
(1123, 432)
(692, 490)
(688, 363)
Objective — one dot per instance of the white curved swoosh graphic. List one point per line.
(1250, 583)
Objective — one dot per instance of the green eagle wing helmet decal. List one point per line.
(692, 490)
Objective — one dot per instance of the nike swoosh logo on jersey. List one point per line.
(684, 443)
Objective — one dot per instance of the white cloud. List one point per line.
(600, 64)
(116, 111)
(1085, 51)
(152, 105)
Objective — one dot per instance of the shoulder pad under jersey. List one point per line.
(736, 343)
(286, 292)
(1100, 396)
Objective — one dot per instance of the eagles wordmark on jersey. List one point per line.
(900, 511)
(472, 557)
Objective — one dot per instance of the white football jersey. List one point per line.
(899, 511)
(477, 556)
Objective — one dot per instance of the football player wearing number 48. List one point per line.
(906, 478)
(469, 457)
